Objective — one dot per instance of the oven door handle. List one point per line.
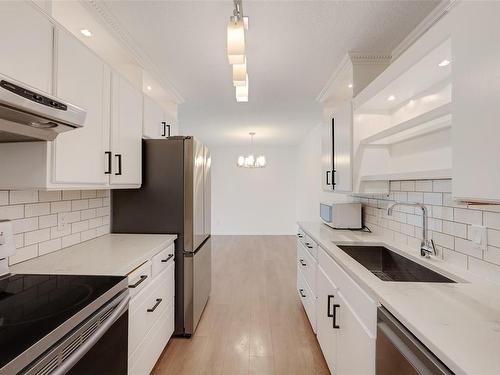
(91, 341)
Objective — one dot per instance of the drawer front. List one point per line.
(311, 246)
(301, 236)
(149, 305)
(307, 297)
(162, 260)
(308, 265)
(364, 306)
(139, 279)
(149, 350)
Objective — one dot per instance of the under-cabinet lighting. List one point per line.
(444, 63)
(149, 88)
(350, 85)
(391, 98)
(86, 32)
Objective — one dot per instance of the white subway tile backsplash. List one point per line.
(96, 202)
(23, 196)
(25, 225)
(492, 220)
(36, 236)
(451, 223)
(11, 212)
(423, 185)
(441, 186)
(68, 195)
(433, 198)
(35, 216)
(49, 246)
(49, 196)
(86, 194)
(463, 215)
(36, 209)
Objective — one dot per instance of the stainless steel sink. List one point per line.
(389, 266)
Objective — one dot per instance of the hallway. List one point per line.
(254, 322)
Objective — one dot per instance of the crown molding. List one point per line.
(344, 63)
(105, 17)
(431, 19)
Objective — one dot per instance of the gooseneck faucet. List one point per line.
(426, 246)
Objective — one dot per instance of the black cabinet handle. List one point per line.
(158, 301)
(119, 156)
(333, 178)
(329, 303)
(309, 246)
(302, 262)
(168, 258)
(335, 306)
(301, 291)
(108, 154)
(300, 235)
(327, 180)
(141, 280)
(166, 129)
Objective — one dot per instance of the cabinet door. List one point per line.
(356, 349)
(342, 145)
(126, 132)
(326, 332)
(327, 155)
(26, 44)
(154, 124)
(82, 79)
(476, 94)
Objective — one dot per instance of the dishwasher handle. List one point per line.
(91, 341)
(418, 355)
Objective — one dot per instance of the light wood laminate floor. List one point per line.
(254, 322)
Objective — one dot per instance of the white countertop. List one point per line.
(459, 323)
(112, 254)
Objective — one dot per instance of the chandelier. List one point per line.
(250, 161)
(236, 51)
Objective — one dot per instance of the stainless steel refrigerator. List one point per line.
(174, 198)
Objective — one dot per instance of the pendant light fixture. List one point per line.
(236, 50)
(250, 161)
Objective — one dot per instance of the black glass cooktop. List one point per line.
(32, 306)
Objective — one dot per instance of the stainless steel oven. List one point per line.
(400, 352)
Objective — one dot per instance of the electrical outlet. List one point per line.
(62, 221)
(479, 236)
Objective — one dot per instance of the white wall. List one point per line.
(309, 175)
(254, 201)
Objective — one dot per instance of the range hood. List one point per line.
(30, 115)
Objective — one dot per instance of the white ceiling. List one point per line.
(292, 49)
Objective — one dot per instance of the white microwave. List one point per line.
(341, 215)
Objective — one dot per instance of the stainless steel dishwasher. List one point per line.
(400, 352)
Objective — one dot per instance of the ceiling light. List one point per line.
(236, 42)
(250, 161)
(240, 76)
(444, 63)
(242, 93)
(391, 98)
(350, 85)
(149, 88)
(86, 32)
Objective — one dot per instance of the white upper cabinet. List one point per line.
(82, 79)
(476, 98)
(26, 44)
(154, 120)
(126, 132)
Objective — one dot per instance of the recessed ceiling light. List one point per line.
(86, 32)
(444, 63)
(350, 85)
(391, 98)
(149, 88)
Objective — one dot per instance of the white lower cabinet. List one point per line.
(151, 311)
(345, 320)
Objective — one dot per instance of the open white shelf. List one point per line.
(428, 122)
(417, 175)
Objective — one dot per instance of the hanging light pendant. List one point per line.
(249, 161)
(242, 92)
(236, 40)
(240, 74)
